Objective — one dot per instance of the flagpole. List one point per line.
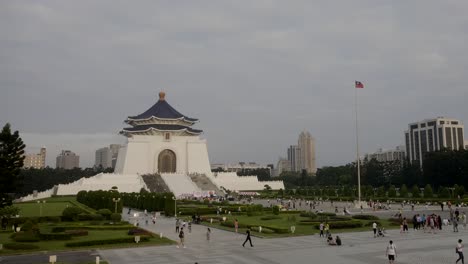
(357, 146)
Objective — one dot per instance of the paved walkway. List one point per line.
(225, 248)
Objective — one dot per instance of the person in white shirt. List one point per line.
(459, 251)
(391, 252)
(374, 226)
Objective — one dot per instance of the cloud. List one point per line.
(255, 73)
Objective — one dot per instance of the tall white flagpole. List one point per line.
(357, 145)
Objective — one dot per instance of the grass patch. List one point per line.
(53, 206)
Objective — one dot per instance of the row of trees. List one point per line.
(101, 199)
(150, 201)
(370, 192)
(440, 168)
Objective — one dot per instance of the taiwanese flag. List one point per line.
(358, 84)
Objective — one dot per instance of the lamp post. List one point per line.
(116, 201)
(40, 206)
(175, 206)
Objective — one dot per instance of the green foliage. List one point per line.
(428, 193)
(106, 241)
(25, 236)
(276, 210)
(343, 224)
(264, 230)
(444, 192)
(404, 191)
(392, 191)
(116, 217)
(106, 213)
(77, 232)
(71, 213)
(365, 217)
(55, 236)
(270, 217)
(308, 214)
(19, 246)
(9, 211)
(29, 226)
(254, 209)
(11, 161)
(381, 192)
(100, 199)
(416, 193)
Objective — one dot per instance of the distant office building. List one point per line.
(107, 157)
(432, 135)
(68, 160)
(103, 158)
(306, 144)
(35, 160)
(466, 144)
(294, 157)
(283, 165)
(388, 155)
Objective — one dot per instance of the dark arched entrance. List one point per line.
(167, 161)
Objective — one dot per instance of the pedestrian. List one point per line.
(405, 225)
(236, 225)
(455, 224)
(177, 223)
(327, 228)
(391, 252)
(248, 239)
(321, 229)
(181, 237)
(463, 218)
(374, 227)
(459, 251)
(190, 227)
(208, 234)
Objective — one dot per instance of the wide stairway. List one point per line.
(180, 184)
(155, 183)
(205, 184)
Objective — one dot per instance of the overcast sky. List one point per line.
(256, 73)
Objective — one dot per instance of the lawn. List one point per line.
(51, 207)
(286, 221)
(58, 245)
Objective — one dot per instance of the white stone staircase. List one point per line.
(180, 184)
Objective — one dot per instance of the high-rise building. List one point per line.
(103, 158)
(283, 165)
(466, 144)
(294, 157)
(306, 145)
(68, 160)
(432, 135)
(388, 155)
(35, 160)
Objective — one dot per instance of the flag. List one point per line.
(358, 84)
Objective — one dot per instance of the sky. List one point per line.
(256, 73)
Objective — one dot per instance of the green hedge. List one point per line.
(42, 219)
(365, 217)
(25, 237)
(77, 232)
(55, 236)
(290, 212)
(19, 246)
(59, 229)
(343, 224)
(308, 214)
(270, 217)
(278, 230)
(106, 241)
(264, 230)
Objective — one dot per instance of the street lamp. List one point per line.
(116, 201)
(175, 206)
(40, 206)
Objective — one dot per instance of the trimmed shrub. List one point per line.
(343, 224)
(29, 226)
(138, 232)
(28, 236)
(97, 217)
(71, 213)
(19, 246)
(308, 214)
(106, 242)
(278, 230)
(116, 217)
(77, 232)
(365, 217)
(106, 213)
(55, 236)
(85, 217)
(290, 212)
(276, 210)
(326, 214)
(270, 217)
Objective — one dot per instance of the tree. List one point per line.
(416, 193)
(428, 193)
(444, 192)
(267, 188)
(11, 161)
(404, 191)
(392, 191)
(381, 192)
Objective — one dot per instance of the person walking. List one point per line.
(248, 239)
(459, 251)
(463, 218)
(177, 223)
(374, 227)
(236, 225)
(181, 237)
(327, 228)
(208, 234)
(391, 252)
(321, 229)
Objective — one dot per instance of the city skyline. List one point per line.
(273, 68)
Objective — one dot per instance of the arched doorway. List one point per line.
(167, 161)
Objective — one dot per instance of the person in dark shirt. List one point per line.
(248, 239)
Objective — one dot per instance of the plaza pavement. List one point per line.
(225, 248)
